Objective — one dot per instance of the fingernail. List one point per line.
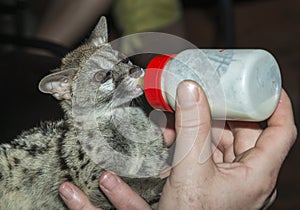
(66, 192)
(109, 181)
(187, 94)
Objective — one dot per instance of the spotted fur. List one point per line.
(93, 84)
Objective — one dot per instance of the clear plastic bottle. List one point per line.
(240, 84)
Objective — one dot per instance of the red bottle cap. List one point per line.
(152, 82)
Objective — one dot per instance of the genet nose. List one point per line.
(135, 72)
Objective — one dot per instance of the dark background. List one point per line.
(270, 24)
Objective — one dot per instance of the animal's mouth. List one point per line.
(138, 90)
(140, 83)
(130, 86)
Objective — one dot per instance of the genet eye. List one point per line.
(99, 76)
(102, 76)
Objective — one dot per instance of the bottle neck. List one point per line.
(152, 82)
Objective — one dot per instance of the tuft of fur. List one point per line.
(100, 131)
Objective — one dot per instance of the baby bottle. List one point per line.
(240, 84)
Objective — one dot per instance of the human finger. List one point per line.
(245, 135)
(193, 124)
(120, 194)
(218, 156)
(277, 139)
(223, 140)
(74, 198)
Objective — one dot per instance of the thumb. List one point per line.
(193, 124)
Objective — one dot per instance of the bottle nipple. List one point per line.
(141, 82)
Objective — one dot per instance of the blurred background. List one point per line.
(33, 41)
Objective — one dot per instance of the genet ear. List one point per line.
(99, 35)
(58, 84)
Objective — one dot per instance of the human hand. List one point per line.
(116, 190)
(240, 173)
